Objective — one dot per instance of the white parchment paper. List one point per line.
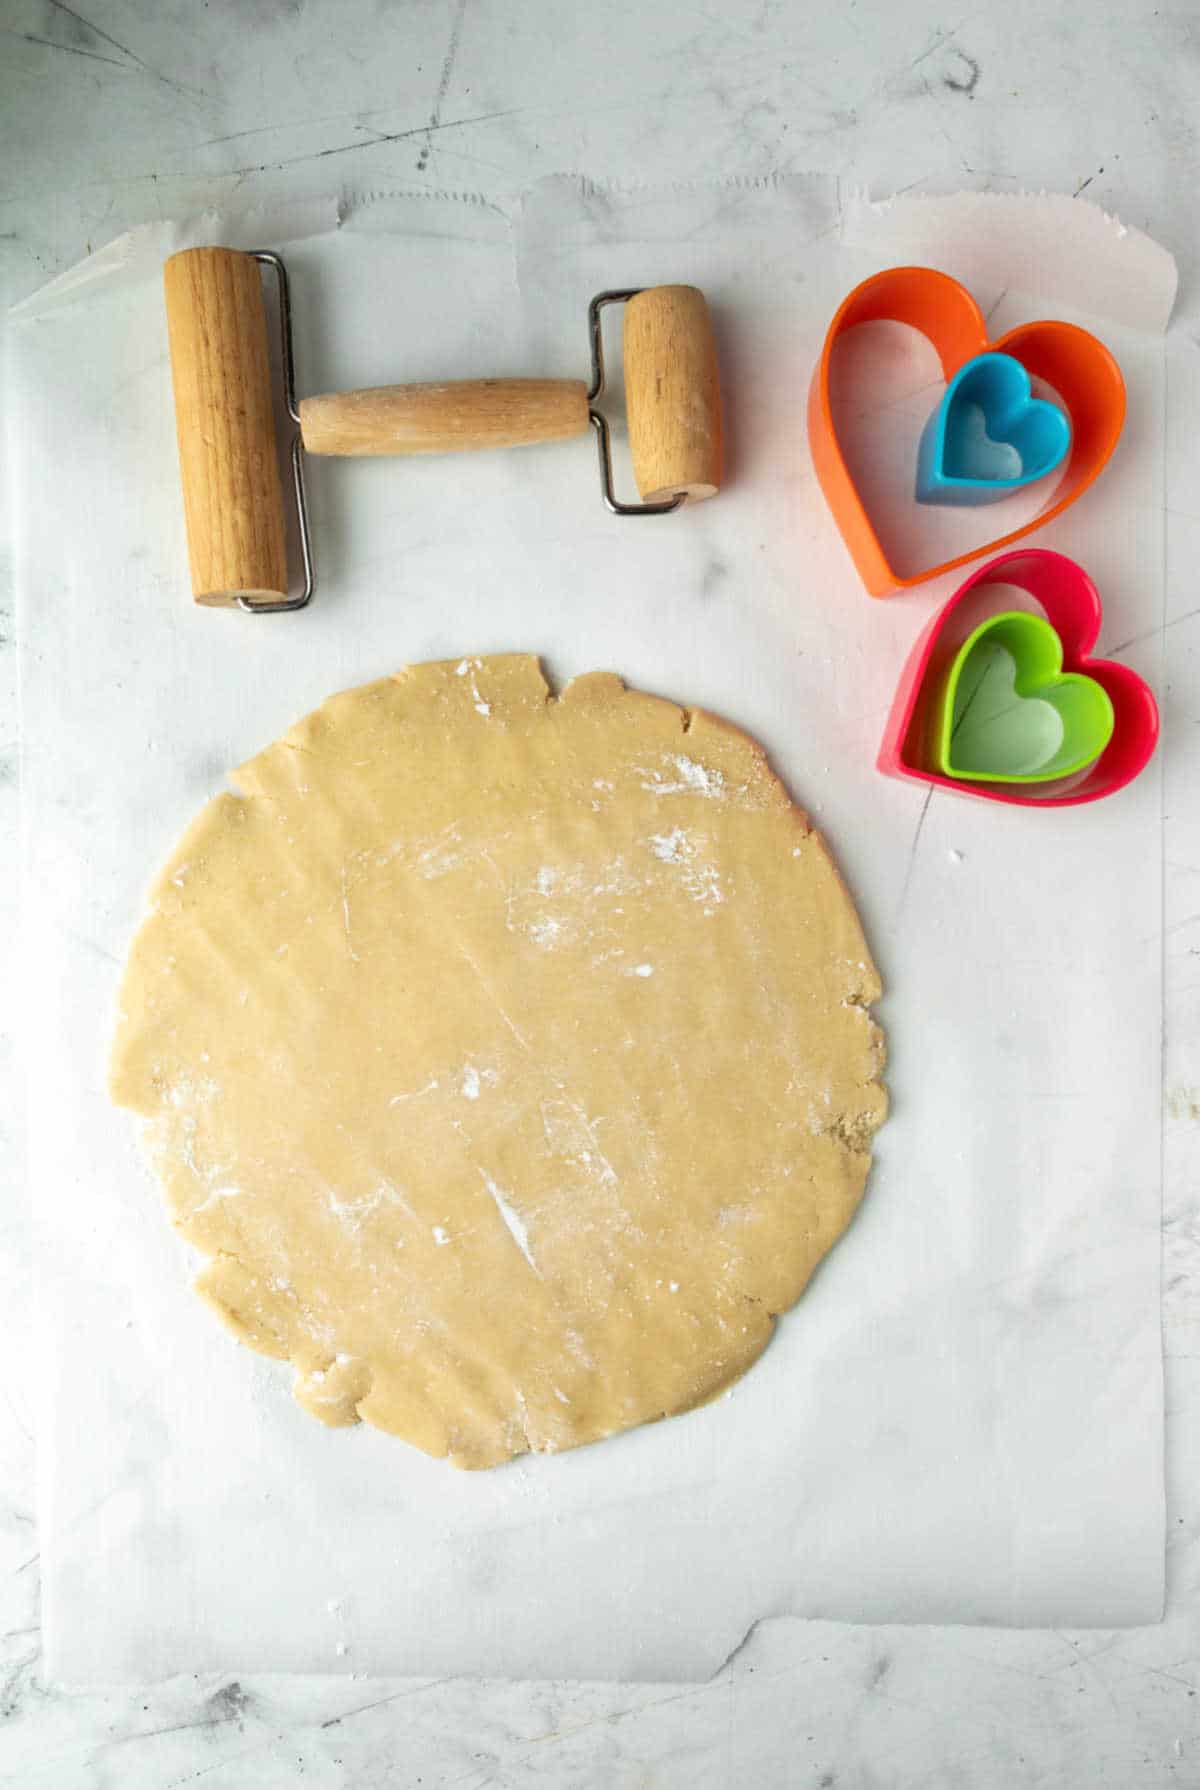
(963, 1418)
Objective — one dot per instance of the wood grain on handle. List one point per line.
(232, 496)
(442, 419)
(672, 394)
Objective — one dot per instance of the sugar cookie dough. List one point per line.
(507, 1056)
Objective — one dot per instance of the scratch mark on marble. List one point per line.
(377, 136)
(1152, 633)
(443, 86)
(995, 305)
(258, 1746)
(1077, 1658)
(200, 1721)
(372, 142)
(51, 43)
(94, 946)
(14, 1686)
(613, 1718)
(112, 42)
(132, 63)
(363, 1708)
(912, 855)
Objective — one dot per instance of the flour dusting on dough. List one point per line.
(699, 877)
(690, 778)
(417, 1093)
(353, 1213)
(345, 920)
(516, 1227)
(671, 847)
(218, 1193)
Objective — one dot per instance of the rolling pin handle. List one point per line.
(444, 418)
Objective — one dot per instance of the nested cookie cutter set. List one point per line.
(997, 702)
(1004, 704)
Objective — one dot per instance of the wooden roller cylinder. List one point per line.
(444, 419)
(232, 496)
(672, 394)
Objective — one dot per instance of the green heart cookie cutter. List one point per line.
(1009, 713)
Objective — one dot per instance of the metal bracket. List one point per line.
(599, 422)
(265, 258)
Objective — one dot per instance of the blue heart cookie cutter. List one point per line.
(989, 436)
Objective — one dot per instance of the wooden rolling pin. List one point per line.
(232, 493)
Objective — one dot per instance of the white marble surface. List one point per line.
(155, 108)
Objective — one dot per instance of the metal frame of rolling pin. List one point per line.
(599, 422)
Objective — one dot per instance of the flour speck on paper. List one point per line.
(506, 1055)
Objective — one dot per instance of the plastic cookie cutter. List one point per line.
(989, 436)
(937, 732)
(1072, 362)
(1009, 713)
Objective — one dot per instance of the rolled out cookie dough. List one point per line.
(507, 1056)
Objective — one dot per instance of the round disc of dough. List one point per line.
(507, 1056)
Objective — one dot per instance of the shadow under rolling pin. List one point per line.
(232, 492)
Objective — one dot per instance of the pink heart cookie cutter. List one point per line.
(1071, 604)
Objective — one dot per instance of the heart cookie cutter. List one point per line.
(1071, 605)
(1009, 713)
(1070, 360)
(989, 436)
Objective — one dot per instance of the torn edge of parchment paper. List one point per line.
(1031, 243)
(139, 253)
(426, 211)
(1034, 243)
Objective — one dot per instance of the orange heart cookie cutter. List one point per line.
(1079, 368)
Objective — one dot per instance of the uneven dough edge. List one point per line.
(343, 1393)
